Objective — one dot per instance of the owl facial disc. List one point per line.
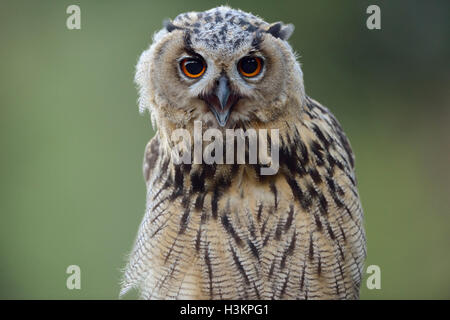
(221, 100)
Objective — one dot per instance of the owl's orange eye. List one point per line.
(250, 66)
(193, 67)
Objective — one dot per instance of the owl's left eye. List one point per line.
(193, 67)
(250, 66)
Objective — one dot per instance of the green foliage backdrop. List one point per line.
(72, 141)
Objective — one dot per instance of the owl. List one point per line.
(224, 230)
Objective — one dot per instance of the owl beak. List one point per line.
(221, 100)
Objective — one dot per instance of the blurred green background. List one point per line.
(72, 141)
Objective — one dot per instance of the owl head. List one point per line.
(224, 67)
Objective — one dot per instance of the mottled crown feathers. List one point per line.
(217, 22)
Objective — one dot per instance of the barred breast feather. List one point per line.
(225, 232)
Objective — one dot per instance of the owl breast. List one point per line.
(226, 232)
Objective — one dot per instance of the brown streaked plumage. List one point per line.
(224, 231)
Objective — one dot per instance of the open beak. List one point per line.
(221, 100)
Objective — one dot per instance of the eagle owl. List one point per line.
(224, 231)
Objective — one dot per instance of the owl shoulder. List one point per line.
(151, 157)
(327, 128)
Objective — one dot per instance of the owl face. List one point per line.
(223, 67)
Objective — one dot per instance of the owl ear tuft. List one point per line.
(281, 30)
(169, 26)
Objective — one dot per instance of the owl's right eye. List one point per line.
(193, 67)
